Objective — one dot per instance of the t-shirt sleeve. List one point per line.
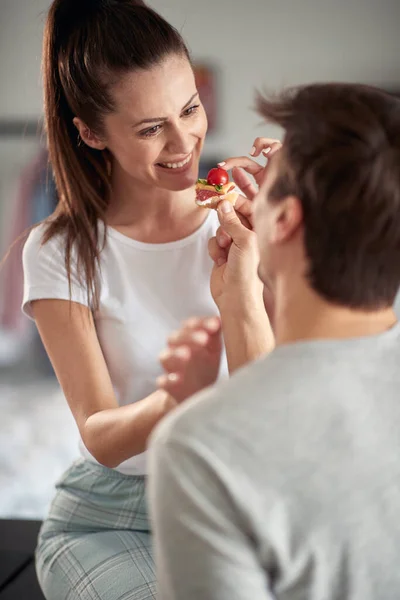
(45, 275)
(200, 547)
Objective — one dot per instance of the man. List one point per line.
(283, 482)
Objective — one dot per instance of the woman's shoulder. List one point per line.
(36, 245)
(45, 270)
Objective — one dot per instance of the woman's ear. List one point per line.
(87, 136)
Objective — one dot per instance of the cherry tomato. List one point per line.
(217, 176)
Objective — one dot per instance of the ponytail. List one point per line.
(85, 45)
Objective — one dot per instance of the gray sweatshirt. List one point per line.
(284, 482)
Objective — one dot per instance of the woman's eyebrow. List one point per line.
(158, 119)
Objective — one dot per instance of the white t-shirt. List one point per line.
(146, 291)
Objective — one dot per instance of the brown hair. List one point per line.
(87, 45)
(341, 158)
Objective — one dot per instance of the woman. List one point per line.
(125, 130)
(117, 267)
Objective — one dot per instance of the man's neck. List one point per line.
(301, 314)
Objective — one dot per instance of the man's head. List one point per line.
(329, 206)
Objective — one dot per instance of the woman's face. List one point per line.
(157, 131)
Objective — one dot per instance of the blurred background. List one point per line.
(237, 48)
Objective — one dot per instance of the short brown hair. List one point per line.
(341, 158)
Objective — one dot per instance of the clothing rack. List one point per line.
(26, 198)
(17, 128)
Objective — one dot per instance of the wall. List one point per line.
(253, 43)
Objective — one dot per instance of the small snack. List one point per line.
(217, 187)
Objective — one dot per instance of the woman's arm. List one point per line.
(237, 290)
(247, 334)
(246, 307)
(111, 433)
(190, 362)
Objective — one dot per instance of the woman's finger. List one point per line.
(244, 207)
(191, 340)
(169, 382)
(246, 163)
(223, 239)
(264, 145)
(209, 324)
(244, 221)
(186, 337)
(244, 183)
(174, 360)
(217, 254)
(172, 384)
(274, 148)
(192, 323)
(269, 304)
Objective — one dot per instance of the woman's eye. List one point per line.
(151, 131)
(192, 109)
(154, 130)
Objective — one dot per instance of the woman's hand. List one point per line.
(238, 292)
(236, 260)
(234, 250)
(192, 358)
(242, 165)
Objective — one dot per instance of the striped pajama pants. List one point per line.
(96, 543)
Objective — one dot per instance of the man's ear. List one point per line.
(87, 136)
(288, 219)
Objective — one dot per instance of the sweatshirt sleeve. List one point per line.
(201, 548)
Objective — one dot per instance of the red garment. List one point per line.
(11, 275)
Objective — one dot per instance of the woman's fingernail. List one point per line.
(181, 352)
(266, 151)
(200, 337)
(212, 322)
(252, 151)
(173, 337)
(224, 240)
(172, 377)
(226, 207)
(164, 355)
(161, 381)
(191, 323)
(221, 164)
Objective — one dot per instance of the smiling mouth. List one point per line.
(177, 165)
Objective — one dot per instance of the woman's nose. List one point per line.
(180, 141)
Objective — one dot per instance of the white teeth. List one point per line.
(177, 165)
